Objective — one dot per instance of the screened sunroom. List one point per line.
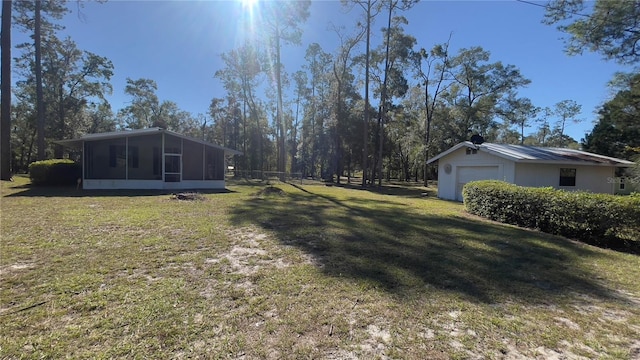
(150, 159)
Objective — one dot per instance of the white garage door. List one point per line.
(473, 173)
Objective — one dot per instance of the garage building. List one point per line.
(533, 166)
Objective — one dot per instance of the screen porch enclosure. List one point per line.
(152, 157)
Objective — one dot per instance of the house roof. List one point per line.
(539, 155)
(138, 132)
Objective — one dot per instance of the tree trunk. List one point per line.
(39, 94)
(294, 139)
(427, 136)
(405, 165)
(282, 155)
(380, 140)
(390, 159)
(374, 154)
(314, 143)
(338, 115)
(58, 150)
(365, 142)
(383, 97)
(244, 136)
(260, 142)
(349, 167)
(30, 152)
(5, 122)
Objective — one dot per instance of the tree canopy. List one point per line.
(617, 132)
(377, 105)
(611, 28)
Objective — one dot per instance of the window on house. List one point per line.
(621, 183)
(471, 151)
(567, 177)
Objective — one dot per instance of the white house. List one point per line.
(152, 158)
(566, 169)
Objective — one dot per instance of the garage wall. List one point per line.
(538, 175)
(475, 172)
(449, 184)
(597, 179)
(458, 168)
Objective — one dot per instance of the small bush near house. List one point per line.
(55, 172)
(599, 219)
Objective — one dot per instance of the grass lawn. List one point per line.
(307, 271)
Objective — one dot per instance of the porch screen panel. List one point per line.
(105, 159)
(172, 144)
(214, 164)
(144, 161)
(192, 164)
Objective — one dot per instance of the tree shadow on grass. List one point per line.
(72, 191)
(402, 249)
(404, 190)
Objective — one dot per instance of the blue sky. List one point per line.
(178, 44)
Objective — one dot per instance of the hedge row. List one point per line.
(56, 172)
(599, 219)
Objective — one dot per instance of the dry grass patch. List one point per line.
(313, 272)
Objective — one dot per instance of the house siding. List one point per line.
(596, 179)
(625, 185)
(449, 184)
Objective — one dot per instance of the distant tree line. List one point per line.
(376, 110)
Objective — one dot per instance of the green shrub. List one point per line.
(56, 172)
(599, 219)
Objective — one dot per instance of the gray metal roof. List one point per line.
(138, 132)
(540, 155)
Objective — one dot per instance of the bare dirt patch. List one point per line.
(568, 323)
(5, 270)
(251, 253)
(377, 341)
(630, 297)
(271, 191)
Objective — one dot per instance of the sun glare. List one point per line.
(248, 4)
(247, 20)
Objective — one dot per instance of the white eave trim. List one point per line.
(454, 148)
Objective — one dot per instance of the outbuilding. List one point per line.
(152, 158)
(533, 166)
